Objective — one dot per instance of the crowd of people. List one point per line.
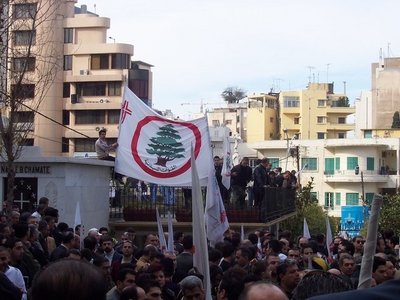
(41, 258)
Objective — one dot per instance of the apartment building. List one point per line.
(89, 72)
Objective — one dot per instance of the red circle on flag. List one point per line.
(177, 172)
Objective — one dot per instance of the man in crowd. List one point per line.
(288, 276)
(240, 175)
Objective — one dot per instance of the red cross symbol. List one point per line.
(125, 111)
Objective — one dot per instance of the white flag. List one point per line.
(170, 246)
(306, 232)
(259, 250)
(200, 249)
(78, 221)
(227, 164)
(161, 236)
(242, 233)
(215, 217)
(154, 149)
(328, 237)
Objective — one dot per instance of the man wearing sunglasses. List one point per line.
(358, 242)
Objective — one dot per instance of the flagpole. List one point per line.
(170, 246)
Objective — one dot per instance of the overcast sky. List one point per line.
(198, 48)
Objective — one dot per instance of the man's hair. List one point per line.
(10, 243)
(275, 246)
(177, 235)
(69, 279)
(320, 237)
(356, 237)
(245, 159)
(106, 238)
(349, 246)
(121, 275)
(20, 229)
(102, 131)
(51, 211)
(253, 238)
(265, 160)
(282, 267)
(216, 156)
(378, 261)
(214, 255)
(271, 254)
(67, 237)
(2, 227)
(246, 253)
(190, 282)
(319, 283)
(44, 201)
(99, 260)
(227, 250)
(148, 249)
(233, 285)
(41, 207)
(148, 284)
(89, 242)
(156, 254)
(187, 242)
(309, 245)
(103, 229)
(343, 257)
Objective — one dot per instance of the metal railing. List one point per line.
(178, 201)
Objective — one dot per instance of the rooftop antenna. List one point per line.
(311, 68)
(327, 73)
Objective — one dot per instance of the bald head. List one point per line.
(263, 291)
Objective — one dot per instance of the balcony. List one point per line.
(350, 177)
(138, 204)
(340, 126)
(25, 126)
(340, 110)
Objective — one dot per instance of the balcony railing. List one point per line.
(137, 204)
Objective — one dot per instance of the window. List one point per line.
(320, 135)
(329, 166)
(337, 163)
(321, 120)
(65, 117)
(338, 200)
(67, 62)
(25, 11)
(91, 89)
(65, 145)
(120, 61)
(271, 120)
(99, 61)
(369, 197)
(215, 122)
(274, 162)
(289, 101)
(341, 135)
(310, 162)
(321, 102)
(27, 142)
(352, 199)
(341, 120)
(114, 88)
(24, 37)
(25, 116)
(228, 122)
(314, 196)
(352, 162)
(68, 35)
(86, 145)
(24, 64)
(90, 117)
(368, 134)
(370, 163)
(23, 91)
(113, 116)
(329, 201)
(296, 120)
(66, 90)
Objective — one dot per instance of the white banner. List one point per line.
(227, 164)
(157, 150)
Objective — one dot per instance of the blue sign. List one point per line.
(353, 219)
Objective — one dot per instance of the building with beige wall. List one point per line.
(331, 163)
(85, 94)
(314, 113)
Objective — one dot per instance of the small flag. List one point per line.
(259, 250)
(306, 232)
(163, 243)
(227, 164)
(328, 237)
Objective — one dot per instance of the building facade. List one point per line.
(332, 162)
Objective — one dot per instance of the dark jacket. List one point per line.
(260, 179)
(243, 175)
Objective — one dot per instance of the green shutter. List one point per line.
(352, 199)
(370, 163)
(369, 197)
(337, 163)
(329, 166)
(338, 201)
(311, 163)
(352, 162)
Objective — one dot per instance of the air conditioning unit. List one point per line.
(84, 72)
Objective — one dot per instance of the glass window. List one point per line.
(24, 37)
(352, 199)
(25, 11)
(91, 89)
(321, 120)
(290, 101)
(25, 116)
(114, 88)
(90, 117)
(24, 64)
(65, 117)
(310, 162)
(352, 162)
(68, 35)
(274, 162)
(67, 62)
(337, 163)
(329, 201)
(120, 61)
(99, 61)
(342, 120)
(320, 135)
(341, 135)
(329, 166)
(23, 91)
(296, 120)
(314, 196)
(370, 163)
(271, 120)
(66, 90)
(86, 145)
(338, 200)
(368, 134)
(65, 145)
(113, 116)
(321, 102)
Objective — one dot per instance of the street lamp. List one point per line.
(111, 38)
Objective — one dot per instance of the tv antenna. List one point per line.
(310, 68)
